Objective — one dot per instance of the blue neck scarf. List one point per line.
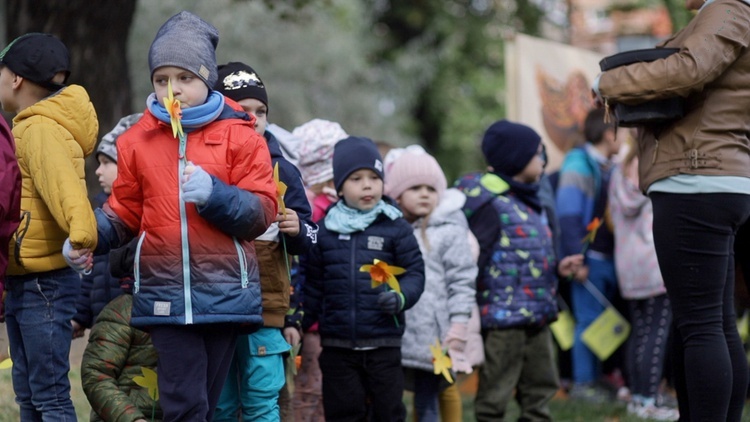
(345, 220)
(192, 117)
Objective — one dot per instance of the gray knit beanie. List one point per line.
(107, 145)
(189, 42)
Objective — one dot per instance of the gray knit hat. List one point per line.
(107, 145)
(189, 42)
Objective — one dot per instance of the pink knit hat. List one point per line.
(315, 152)
(414, 169)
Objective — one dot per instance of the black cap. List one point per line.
(37, 57)
(352, 154)
(239, 81)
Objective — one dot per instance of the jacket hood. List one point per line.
(451, 203)
(71, 108)
(480, 189)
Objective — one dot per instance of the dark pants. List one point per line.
(521, 361)
(193, 365)
(694, 238)
(651, 319)
(351, 378)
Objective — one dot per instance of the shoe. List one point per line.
(590, 393)
(647, 409)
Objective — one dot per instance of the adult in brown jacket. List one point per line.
(697, 172)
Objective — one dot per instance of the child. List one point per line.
(117, 353)
(98, 288)
(315, 161)
(53, 134)
(10, 200)
(196, 201)
(418, 184)
(317, 139)
(642, 287)
(517, 283)
(581, 197)
(361, 325)
(257, 372)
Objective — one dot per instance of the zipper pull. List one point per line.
(607, 111)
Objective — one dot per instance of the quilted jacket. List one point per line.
(115, 354)
(193, 264)
(53, 137)
(341, 297)
(517, 282)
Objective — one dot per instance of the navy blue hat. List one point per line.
(352, 154)
(508, 147)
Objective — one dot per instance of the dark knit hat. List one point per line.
(188, 42)
(352, 154)
(107, 145)
(239, 81)
(38, 58)
(508, 147)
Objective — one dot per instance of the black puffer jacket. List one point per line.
(341, 297)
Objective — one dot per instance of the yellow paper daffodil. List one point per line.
(382, 273)
(440, 361)
(175, 112)
(6, 363)
(148, 381)
(280, 189)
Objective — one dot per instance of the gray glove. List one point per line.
(391, 302)
(197, 189)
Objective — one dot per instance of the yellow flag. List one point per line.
(743, 326)
(606, 333)
(564, 330)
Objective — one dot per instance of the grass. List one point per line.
(563, 410)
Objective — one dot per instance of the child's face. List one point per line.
(257, 109)
(6, 89)
(362, 190)
(534, 169)
(418, 201)
(106, 172)
(187, 87)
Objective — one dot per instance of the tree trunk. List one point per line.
(96, 34)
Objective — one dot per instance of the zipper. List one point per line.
(137, 264)
(243, 262)
(353, 282)
(185, 246)
(656, 150)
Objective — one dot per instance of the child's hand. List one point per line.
(456, 339)
(292, 336)
(78, 329)
(288, 224)
(196, 185)
(80, 260)
(391, 302)
(570, 266)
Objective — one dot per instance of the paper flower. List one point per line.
(7, 363)
(148, 381)
(175, 112)
(382, 273)
(280, 189)
(441, 363)
(591, 229)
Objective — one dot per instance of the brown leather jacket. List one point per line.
(712, 72)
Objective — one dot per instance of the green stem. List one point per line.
(286, 257)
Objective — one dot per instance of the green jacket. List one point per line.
(114, 356)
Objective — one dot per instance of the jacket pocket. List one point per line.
(243, 262)
(137, 264)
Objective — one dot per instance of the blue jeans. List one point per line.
(38, 310)
(586, 309)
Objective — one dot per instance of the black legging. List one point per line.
(694, 238)
(651, 319)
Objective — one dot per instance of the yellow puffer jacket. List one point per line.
(53, 137)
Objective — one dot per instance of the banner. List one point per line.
(549, 89)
